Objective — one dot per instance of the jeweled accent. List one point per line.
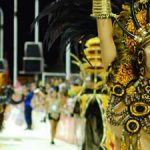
(139, 109)
(132, 126)
(118, 90)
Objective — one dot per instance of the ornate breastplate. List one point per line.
(129, 105)
(134, 101)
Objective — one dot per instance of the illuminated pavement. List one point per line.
(16, 138)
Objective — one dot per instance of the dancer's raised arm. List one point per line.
(102, 12)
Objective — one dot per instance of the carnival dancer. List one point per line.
(126, 54)
(93, 98)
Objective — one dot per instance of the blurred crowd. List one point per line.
(45, 102)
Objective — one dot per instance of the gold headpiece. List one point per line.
(138, 25)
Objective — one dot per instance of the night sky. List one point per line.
(25, 19)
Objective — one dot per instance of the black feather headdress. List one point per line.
(70, 21)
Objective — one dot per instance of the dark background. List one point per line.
(25, 19)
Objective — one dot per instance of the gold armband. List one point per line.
(101, 9)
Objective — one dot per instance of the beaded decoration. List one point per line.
(129, 104)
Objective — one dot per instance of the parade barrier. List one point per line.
(70, 129)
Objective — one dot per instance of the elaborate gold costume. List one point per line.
(93, 97)
(129, 104)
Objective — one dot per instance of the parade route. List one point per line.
(16, 138)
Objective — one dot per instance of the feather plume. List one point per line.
(70, 20)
